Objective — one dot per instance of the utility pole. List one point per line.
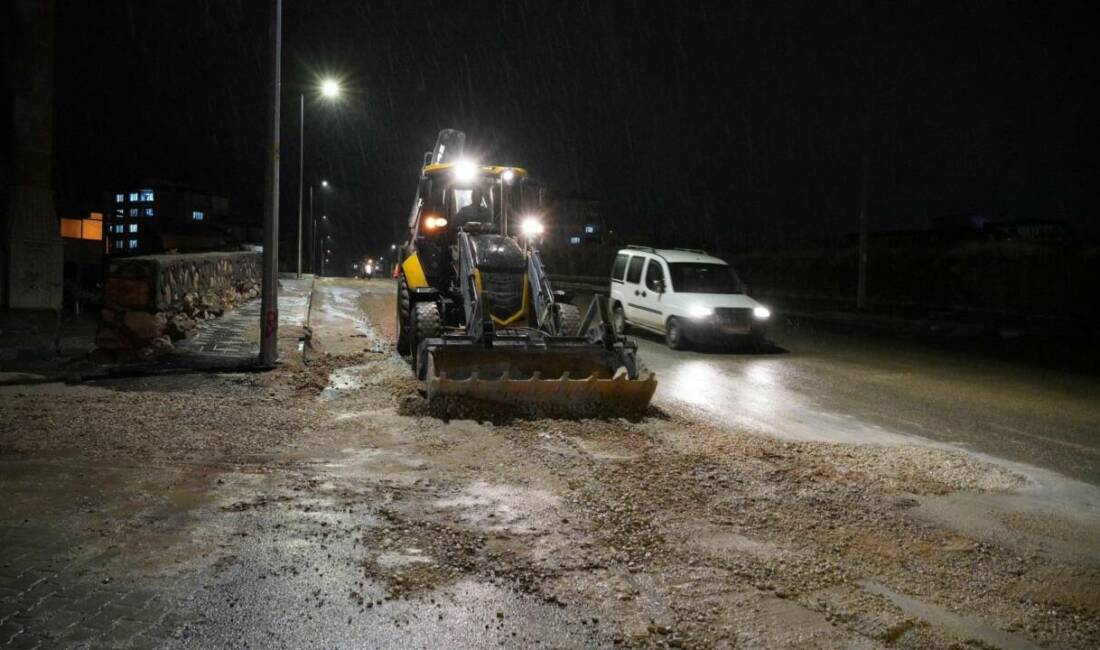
(269, 292)
(301, 172)
(861, 290)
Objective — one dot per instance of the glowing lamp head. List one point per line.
(330, 88)
(531, 227)
(324, 183)
(761, 312)
(464, 171)
(508, 176)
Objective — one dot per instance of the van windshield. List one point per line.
(704, 278)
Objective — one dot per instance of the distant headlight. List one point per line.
(761, 312)
(699, 311)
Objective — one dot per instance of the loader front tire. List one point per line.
(404, 301)
(570, 318)
(427, 324)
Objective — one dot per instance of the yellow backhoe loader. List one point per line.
(476, 311)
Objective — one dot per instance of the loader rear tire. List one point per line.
(404, 301)
(427, 324)
(618, 320)
(570, 318)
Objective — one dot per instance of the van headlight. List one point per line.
(699, 311)
(761, 312)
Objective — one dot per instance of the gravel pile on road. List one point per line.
(229, 419)
(663, 523)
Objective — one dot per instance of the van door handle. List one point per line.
(636, 293)
(643, 294)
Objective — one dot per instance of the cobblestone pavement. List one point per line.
(235, 335)
(60, 584)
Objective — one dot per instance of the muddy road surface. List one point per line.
(323, 505)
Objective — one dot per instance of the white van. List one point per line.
(686, 295)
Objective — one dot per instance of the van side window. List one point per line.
(634, 273)
(619, 267)
(654, 276)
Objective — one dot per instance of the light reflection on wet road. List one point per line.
(843, 388)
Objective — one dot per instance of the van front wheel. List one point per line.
(674, 334)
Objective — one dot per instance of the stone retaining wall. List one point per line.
(152, 300)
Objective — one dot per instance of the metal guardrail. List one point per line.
(593, 283)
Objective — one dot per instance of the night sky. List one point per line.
(713, 123)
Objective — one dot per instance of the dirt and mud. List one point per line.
(672, 531)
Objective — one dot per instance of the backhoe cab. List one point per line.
(475, 308)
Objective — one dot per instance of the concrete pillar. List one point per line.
(34, 252)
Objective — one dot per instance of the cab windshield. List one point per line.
(485, 200)
(692, 277)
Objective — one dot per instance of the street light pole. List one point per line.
(301, 171)
(312, 234)
(861, 286)
(269, 291)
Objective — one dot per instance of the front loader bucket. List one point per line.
(567, 379)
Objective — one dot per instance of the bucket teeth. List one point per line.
(584, 383)
(583, 397)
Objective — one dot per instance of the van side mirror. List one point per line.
(660, 286)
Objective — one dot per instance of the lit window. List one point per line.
(133, 227)
(149, 212)
(119, 198)
(134, 212)
(133, 243)
(147, 195)
(198, 215)
(119, 243)
(574, 240)
(590, 229)
(92, 229)
(133, 196)
(119, 212)
(70, 228)
(95, 216)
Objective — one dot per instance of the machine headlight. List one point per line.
(761, 312)
(464, 171)
(699, 311)
(531, 227)
(508, 176)
(433, 222)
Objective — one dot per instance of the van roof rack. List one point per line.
(642, 248)
(692, 250)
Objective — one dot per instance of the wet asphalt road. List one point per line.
(824, 386)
